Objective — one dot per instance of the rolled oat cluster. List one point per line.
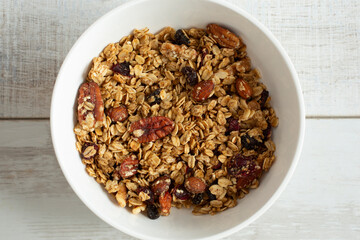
(178, 118)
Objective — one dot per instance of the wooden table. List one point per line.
(322, 200)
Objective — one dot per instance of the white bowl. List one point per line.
(266, 53)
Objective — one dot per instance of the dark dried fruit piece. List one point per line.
(195, 185)
(129, 167)
(202, 90)
(197, 199)
(152, 128)
(89, 150)
(217, 166)
(181, 38)
(204, 52)
(223, 36)
(118, 114)
(148, 192)
(243, 88)
(263, 98)
(267, 132)
(165, 203)
(237, 163)
(245, 169)
(233, 124)
(122, 68)
(180, 192)
(190, 74)
(154, 97)
(90, 106)
(189, 170)
(152, 211)
(160, 185)
(250, 143)
(210, 195)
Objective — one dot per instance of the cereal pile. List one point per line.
(178, 118)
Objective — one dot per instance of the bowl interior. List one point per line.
(278, 75)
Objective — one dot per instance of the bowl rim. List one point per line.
(301, 130)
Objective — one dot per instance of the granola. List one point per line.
(182, 120)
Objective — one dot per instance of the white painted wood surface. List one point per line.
(321, 37)
(322, 200)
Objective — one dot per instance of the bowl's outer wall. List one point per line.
(266, 54)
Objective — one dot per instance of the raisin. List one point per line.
(263, 98)
(190, 74)
(250, 143)
(154, 97)
(122, 68)
(210, 195)
(152, 211)
(181, 193)
(197, 199)
(181, 38)
(267, 132)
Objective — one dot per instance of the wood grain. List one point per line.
(321, 201)
(321, 37)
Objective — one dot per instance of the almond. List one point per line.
(243, 88)
(202, 90)
(224, 37)
(195, 185)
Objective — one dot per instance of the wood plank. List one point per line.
(321, 201)
(321, 38)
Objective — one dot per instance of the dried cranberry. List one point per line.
(197, 199)
(233, 124)
(237, 163)
(147, 191)
(89, 153)
(122, 68)
(210, 195)
(154, 97)
(190, 74)
(263, 98)
(181, 193)
(181, 38)
(245, 169)
(250, 143)
(152, 211)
